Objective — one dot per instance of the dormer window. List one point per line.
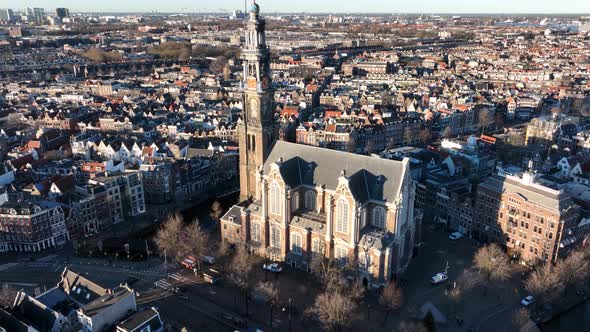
(310, 200)
(379, 216)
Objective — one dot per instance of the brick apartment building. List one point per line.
(533, 221)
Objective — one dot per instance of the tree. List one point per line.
(425, 136)
(333, 309)
(448, 132)
(216, 211)
(239, 270)
(483, 119)
(271, 295)
(572, 269)
(357, 291)
(493, 263)
(7, 296)
(168, 239)
(196, 242)
(543, 282)
(520, 317)
(408, 136)
(218, 64)
(498, 120)
(391, 298)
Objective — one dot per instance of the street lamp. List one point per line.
(288, 313)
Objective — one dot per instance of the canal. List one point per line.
(573, 320)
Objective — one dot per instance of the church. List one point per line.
(300, 201)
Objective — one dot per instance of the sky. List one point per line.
(316, 6)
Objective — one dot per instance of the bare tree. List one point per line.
(271, 295)
(7, 296)
(357, 291)
(543, 282)
(572, 269)
(408, 136)
(196, 242)
(498, 120)
(493, 263)
(448, 132)
(390, 144)
(391, 298)
(483, 119)
(333, 309)
(218, 64)
(216, 211)
(520, 317)
(425, 136)
(239, 270)
(168, 239)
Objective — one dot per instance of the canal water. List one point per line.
(573, 320)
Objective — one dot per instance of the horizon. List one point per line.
(423, 7)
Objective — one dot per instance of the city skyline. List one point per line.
(328, 6)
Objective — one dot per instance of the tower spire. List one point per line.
(258, 130)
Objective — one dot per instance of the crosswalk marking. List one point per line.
(176, 277)
(163, 284)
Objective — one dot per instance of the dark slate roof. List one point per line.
(375, 237)
(80, 288)
(102, 303)
(33, 313)
(11, 323)
(141, 318)
(235, 212)
(369, 177)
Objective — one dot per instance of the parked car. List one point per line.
(211, 276)
(272, 267)
(527, 300)
(209, 260)
(438, 278)
(189, 262)
(455, 236)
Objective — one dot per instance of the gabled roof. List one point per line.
(369, 177)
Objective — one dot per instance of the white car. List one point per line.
(527, 300)
(456, 236)
(438, 278)
(272, 267)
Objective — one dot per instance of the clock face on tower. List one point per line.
(251, 82)
(254, 108)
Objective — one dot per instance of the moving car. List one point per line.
(527, 300)
(438, 278)
(456, 235)
(272, 267)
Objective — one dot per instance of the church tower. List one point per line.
(258, 130)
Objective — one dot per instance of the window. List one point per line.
(316, 247)
(379, 216)
(296, 243)
(275, 237)
(310, 200)
(342, 216)
(341, 255)
(295, 201)
(255, 232)
(275, 200)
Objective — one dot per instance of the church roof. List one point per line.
(369, 177)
